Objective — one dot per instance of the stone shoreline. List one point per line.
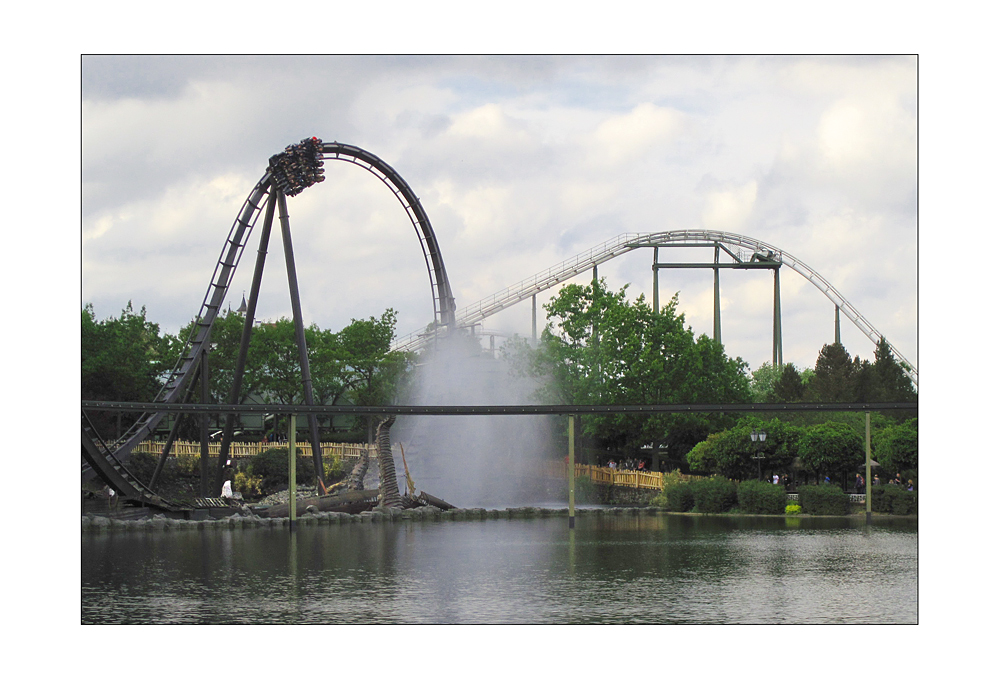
(93, 523)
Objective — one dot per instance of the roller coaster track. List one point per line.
(747, 250)
(104, 460)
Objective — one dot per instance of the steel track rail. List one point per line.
(626, 242)
(180, 378)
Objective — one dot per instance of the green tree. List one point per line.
(895, 447)
(833, 381)
(893, 382)
(762, 382)
(831, 448)
(123, 358)
(788, 388)
(599, 348)
(731, 452)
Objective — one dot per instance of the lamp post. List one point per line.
(758, 438)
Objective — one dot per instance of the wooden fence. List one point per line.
(612, 477)
(239, 450)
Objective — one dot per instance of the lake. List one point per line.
(613, 568)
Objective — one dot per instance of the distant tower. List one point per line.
(243, 306)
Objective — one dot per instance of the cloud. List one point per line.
(729, 210)
(520, 163)
(642, 132)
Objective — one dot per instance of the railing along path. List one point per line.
(244, 450)
(629, 478)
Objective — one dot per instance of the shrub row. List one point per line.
(717, 495)
(760, 497)
(824, 499)
(893, 500)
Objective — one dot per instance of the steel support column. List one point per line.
(534, 321)
(205, 398)
(717, 326)
(300, 333)
(656, 281)
(777, 360)
(836, 325)
(171, 437)
(241, 358)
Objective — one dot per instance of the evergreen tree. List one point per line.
(788, 388)
(833, 381)
(894, 384)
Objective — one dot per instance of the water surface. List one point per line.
(611, 569)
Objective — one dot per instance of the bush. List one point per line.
(584, 490)
(824, 499)
(272, 467)
(191, 464)
(793, 509)
(893, 500)
(345, 437)
(714, 495)
(679, 497)
(333, 470)
(248, 485)
(760, 497)
(142, 465)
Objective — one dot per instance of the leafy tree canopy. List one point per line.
(831, 447)
(600, 348)
(895, 447)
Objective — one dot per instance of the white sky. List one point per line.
(520, 163)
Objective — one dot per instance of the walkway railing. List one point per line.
(612, 477)
(241, 450)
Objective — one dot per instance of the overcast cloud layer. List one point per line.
(520, 163)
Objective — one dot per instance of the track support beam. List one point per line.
(717, 325)
(241, 358)
(300, 333)
(777, 359)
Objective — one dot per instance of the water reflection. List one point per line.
(611, 568)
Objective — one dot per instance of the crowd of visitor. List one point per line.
(628, 464)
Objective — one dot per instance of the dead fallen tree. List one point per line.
(347, 502)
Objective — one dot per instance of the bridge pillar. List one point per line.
(776, 360)
(717, 327)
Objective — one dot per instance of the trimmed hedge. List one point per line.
(760, 497)
(823, 499)
(714, 495)
(891, 499)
